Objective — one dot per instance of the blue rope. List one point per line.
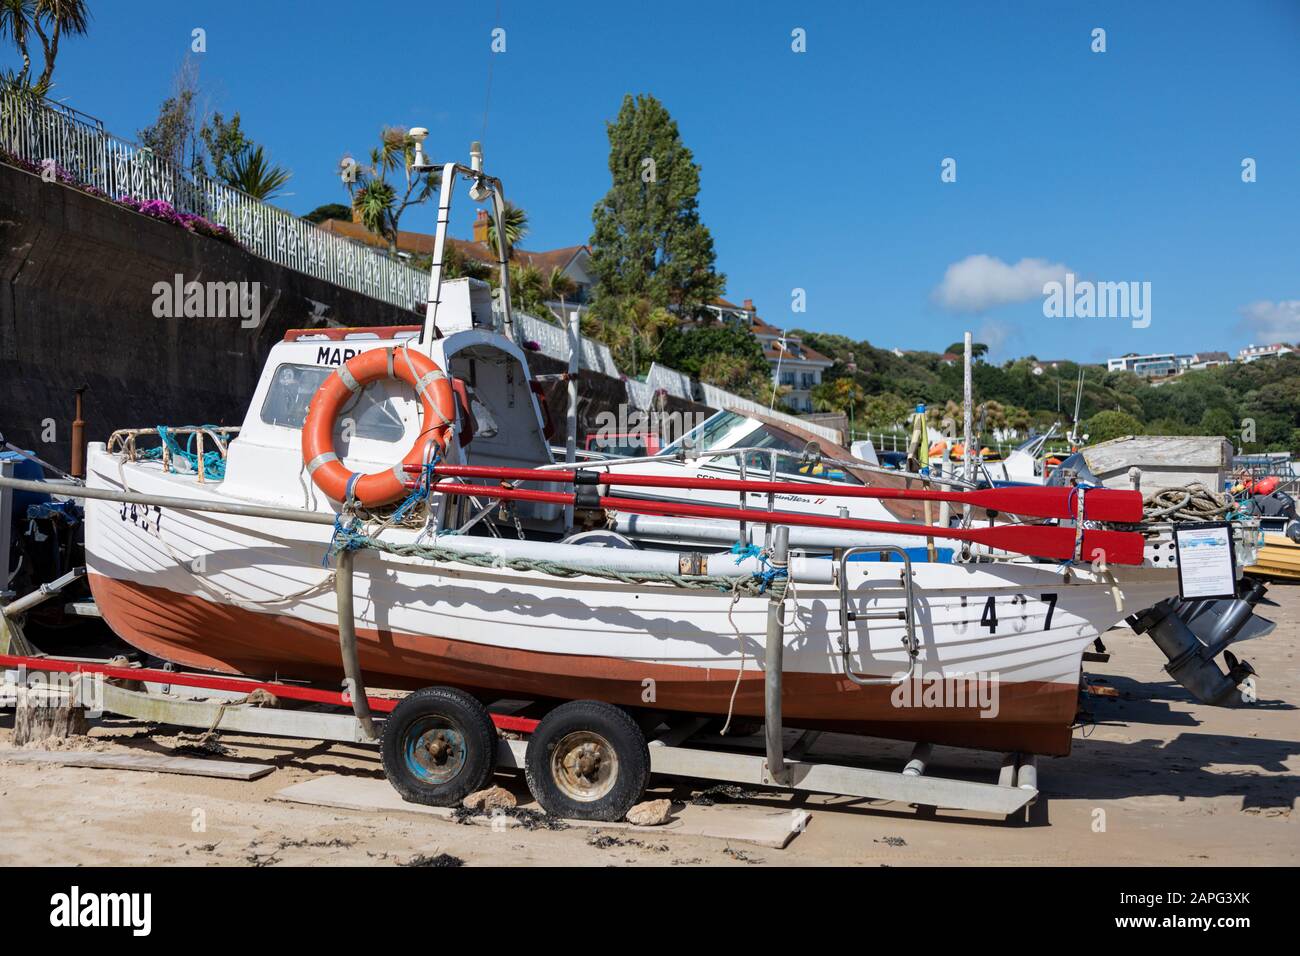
(214, 465)
(350, 537)
(768, 574)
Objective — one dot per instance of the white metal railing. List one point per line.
(670, 380)
(37, 131)
(553, 341)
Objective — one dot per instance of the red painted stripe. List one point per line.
(382, 705)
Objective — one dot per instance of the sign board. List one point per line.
(1207, 564)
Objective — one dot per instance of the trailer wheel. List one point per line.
(439, 745)
(587, 760)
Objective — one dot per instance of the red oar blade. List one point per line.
(1039, 541)
(1050, 541)
(1100, 504)
(1033, 501)
(1113, 504)
(1114, 547)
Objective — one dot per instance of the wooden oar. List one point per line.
(1042, 541)
(1100, 504)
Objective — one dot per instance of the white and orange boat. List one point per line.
(483, 588)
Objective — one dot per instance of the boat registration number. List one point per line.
(147, 518)
(989, 617)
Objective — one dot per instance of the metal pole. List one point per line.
(354, 685)
(968, 468)
(165, 501)
(7, 468)
(774, 662)
(571, 441)
(79, 440)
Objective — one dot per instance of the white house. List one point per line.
(1154, 365)
(1253, 353)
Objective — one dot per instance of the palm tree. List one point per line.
(380, 203)
(560, 285)
(527, 287)
(16, 19)
(52, 19)
(374, 203)
(516, 227)
(251, 172)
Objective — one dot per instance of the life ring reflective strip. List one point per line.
(437, 413)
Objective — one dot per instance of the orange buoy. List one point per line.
(437, 412)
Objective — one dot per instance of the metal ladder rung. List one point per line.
(877, 615)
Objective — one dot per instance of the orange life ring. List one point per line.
(436, 406)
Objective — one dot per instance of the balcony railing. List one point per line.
(39, 131)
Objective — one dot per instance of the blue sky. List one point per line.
(821, 170)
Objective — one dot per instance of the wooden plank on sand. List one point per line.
(157, 763)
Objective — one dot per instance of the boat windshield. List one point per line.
(705, 435)
(757, 463)
(790, 464)
(292, 390)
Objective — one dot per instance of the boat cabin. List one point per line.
(499, 418)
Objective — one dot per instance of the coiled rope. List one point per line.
(1192, 502)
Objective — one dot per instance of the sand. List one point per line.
(1154, 779)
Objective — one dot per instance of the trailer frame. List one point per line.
(167, 697)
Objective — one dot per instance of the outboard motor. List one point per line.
(1192, 633)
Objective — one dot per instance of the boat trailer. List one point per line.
(674, 746)
(232, 704)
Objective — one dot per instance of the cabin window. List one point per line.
(375, 414)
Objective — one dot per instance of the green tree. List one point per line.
(1111, 424)
(737, 375)
(634, 334)
(885, 410)
(49, 21)
(516, 227)
(560, 285)
(648, 241)
(1219, 421)
(977, 349)
(332, 210)
(380, 203)
(528, 289)
(251, 172)
(838, 395)
(173, 136)
(224, 141)
(689, 350)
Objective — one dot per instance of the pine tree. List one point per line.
(648, 242)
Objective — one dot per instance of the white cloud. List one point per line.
(1272, 321)
(980, 282)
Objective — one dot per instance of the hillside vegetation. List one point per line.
(1256, 406)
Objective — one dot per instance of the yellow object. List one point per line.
(920, 440)
(1278, 558)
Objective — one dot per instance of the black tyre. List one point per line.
(587, 760)
(439, 745)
